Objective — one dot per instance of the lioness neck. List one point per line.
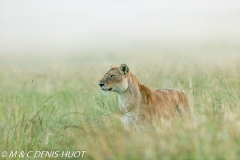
(131, 97)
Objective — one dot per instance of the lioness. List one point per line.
(138, 102)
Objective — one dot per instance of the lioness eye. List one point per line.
(111, 75)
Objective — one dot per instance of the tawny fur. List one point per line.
(137, 102)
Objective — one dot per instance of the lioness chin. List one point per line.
(137, 102)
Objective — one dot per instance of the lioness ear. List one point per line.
(123, 68)
(112, 66)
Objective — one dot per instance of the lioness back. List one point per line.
(174, 98)
(163, 102)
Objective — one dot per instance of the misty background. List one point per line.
(57, 26)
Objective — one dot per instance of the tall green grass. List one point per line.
(57, 105)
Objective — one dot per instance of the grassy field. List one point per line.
(53, 103)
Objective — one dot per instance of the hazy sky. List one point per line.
(44, 25)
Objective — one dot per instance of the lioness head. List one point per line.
(116, 79)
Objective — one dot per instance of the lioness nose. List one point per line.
(101, 84)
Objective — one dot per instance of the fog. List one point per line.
(61, 26)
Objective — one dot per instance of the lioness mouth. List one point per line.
(110, 89)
